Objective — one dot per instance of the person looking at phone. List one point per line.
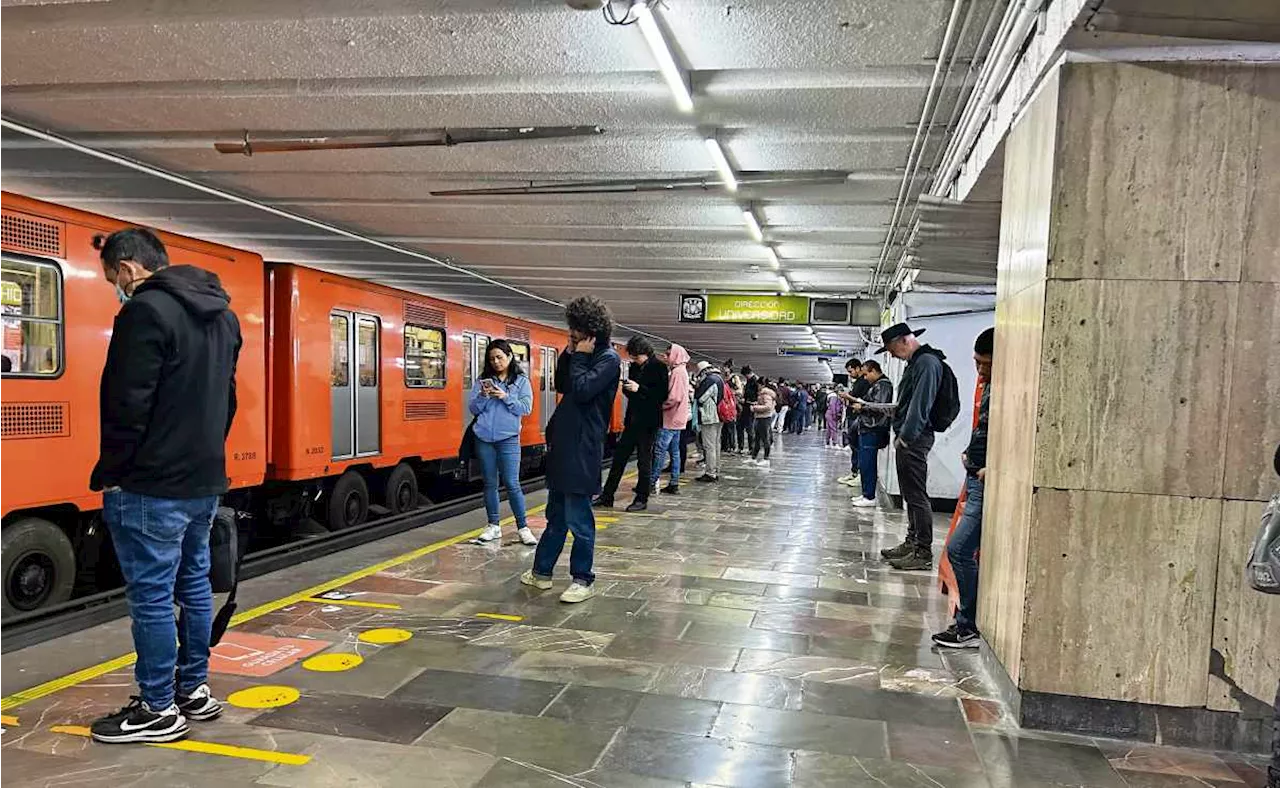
(500, 400)
(645, 387)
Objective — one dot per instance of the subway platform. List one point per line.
(745, 634)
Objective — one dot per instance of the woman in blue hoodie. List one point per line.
(501, 398)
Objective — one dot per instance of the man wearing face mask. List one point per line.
(166, 403)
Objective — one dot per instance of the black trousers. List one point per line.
(762, 438)
(746, 429)
(631, 440)
(728, 437)
(913, 480)
(1275, 742)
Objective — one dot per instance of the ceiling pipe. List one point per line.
(171, 177)
(998, 70)
(913, 156)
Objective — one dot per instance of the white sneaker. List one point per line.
(530, 579)
(845, 479)
(527, 537)
(490, 533)
(763, 463)
(864, 503)
(577, 593)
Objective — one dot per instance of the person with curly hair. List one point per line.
(587, 376)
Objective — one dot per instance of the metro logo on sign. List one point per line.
(745, 308)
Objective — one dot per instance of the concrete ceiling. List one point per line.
(786, 85)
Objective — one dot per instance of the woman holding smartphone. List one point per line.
(502, 397)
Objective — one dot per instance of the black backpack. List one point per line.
(946, 405)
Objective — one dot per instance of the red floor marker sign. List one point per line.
(246, 654)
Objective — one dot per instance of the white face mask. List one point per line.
(121, 294)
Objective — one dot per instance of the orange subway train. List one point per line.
(352, 396)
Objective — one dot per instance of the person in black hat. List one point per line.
(916, 393)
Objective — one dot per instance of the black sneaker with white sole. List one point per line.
(954, 638)
(200, 705)
(138, 723)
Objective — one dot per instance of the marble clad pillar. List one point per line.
(1137, 401)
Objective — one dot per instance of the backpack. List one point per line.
(727, 408)
(946, 405)
(1262, 568)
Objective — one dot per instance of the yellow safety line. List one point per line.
(208, 748)
(56, 685)
(499, 616)
(6, 719)
(351, 603)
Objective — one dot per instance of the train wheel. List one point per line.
(39, 565)
(348, 502)
(401, 493)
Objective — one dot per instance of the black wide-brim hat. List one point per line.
(897, 331)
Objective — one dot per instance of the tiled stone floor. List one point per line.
(745, 635)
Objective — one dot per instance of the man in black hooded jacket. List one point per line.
(167, 400)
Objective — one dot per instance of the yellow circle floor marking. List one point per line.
(268, 697)
(333, 663)
(383, 637)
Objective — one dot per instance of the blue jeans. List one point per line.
(162, 546)
(868, 453)
(962, 552)
(566, 513)
(504, 456)
(668, 443)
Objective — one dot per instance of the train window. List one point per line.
(521, 351)
(367, 351)
(338, 349)
(31, 296)
(468, 376)
(424, 366)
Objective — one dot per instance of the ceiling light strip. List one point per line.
(661, 50)
(722, 164)
(171, 177)
(753, 225)
(784, 283)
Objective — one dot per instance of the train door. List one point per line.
(547, 389)
(474, 349)
(354, 382)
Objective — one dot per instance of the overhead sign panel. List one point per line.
(821, 352)
(778, 310)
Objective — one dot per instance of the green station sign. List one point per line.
(745, 308)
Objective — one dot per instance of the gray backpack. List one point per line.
(1262, 570)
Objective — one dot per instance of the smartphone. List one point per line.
(486, 384)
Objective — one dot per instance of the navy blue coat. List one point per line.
(588, 384)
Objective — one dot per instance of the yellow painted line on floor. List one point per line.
(6, 719)
(79, 677)
(352, 603)
(500, 616)
(606, 519)
(209, 748)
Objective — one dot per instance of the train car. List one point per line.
(58, 310)
(371, 389)
(352, 396)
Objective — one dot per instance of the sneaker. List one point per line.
(706, 477)
(906, 548)
(602, 503)
(490, 533)
(527, 537)
(138, 723)
(845, 479)
(576, 593)
(864, 503)
(918, 560)
(763, 464)
(530, 579)
(200, 705)
(671, 489)
(954, 638)
(638, 506)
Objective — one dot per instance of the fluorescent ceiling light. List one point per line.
(773, 258)
(784, 284)
(722, 164)
(662, 54)
(753, 226)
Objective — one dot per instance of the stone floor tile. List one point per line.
(556, 745)
(471, 691)
(698, 759)
(799, 730)
(354, 717)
